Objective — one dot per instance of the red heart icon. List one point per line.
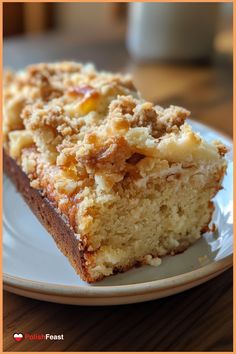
(18, 337)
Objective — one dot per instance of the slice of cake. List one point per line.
(117, 181)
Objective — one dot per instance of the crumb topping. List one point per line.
(71, 128)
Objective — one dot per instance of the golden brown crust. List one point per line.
(49, 217)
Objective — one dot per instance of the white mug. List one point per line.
(178, 31)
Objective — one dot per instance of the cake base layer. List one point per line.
(137, 220)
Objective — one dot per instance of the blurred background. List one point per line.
(178, 53)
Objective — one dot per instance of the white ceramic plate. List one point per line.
(34, 267)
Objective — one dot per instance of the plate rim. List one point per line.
(121, 290)
(90, 291)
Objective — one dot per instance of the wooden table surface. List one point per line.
(196, 320)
